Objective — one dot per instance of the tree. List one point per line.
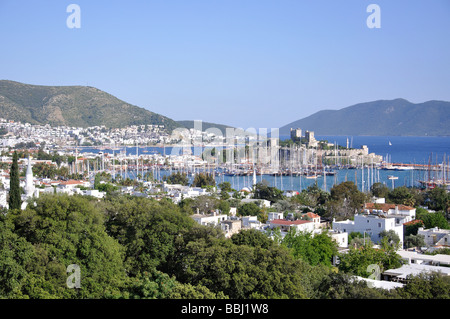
(414, 241)
(151, 285)
(250, 209)
(344, 286)
(412, 227)
(203, 180)
(391, 237)
(177, 178)
(14, 200)
(14, 190)
(66, 230)
(431, 285)
(205, 204)
(404, 196)
(224, 207)
(345, 200)
(357, 240)
(107, 188)
(313, 197)
(225, 189)
(431, 220)
(241, 271)
(188, 291)
(147, 229)
(225, 186)
(379, 190)
(438, 199)
(314, 249)
(101, 177)
(357, 260)
(263, 191)
(253, 238)
(17, 256)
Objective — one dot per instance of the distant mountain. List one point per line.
(397, 117)
(80, 106)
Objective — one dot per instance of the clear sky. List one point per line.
(246, 63)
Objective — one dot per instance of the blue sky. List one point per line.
(246, 63)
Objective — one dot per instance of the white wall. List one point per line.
(371, 225)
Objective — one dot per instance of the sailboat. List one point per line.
(390, 144)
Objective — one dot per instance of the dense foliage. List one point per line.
(135, 247)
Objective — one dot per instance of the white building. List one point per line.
(3, 198)
(298, 225)
(177, 192)
(413, 257)
(71, 187)
(94, 192)
(250, 222)
(401, 274)
(435, 236)
(230, 227)
(401, 213)
(274, 215)
(370, 225)
(212, 219)
(376, 218)
(312, 217)
(341, 238)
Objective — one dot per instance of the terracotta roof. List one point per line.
(386, 207)
(312, 215)
(414, 221)
(71, 182)
(290, 222)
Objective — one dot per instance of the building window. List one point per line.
(379, 225)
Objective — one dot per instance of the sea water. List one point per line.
(395, 149)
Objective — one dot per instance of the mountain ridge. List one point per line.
(397, 117)
(74, 105)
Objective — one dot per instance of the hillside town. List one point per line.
(101, 174)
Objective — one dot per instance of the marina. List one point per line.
(289, 175)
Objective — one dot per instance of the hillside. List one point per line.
(81, 106)
(205, 125)
(397, 117)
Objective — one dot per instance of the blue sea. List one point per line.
(404, 149)
(396, 149)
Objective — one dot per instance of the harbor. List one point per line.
(291, 174)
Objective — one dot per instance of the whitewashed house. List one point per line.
(298, 225)
(274, 215)
(370, 225)
(212, 219)
(435, 237)
(401, 213)
(250, 222)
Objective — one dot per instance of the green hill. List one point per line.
(80, 106)
(397, 117)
